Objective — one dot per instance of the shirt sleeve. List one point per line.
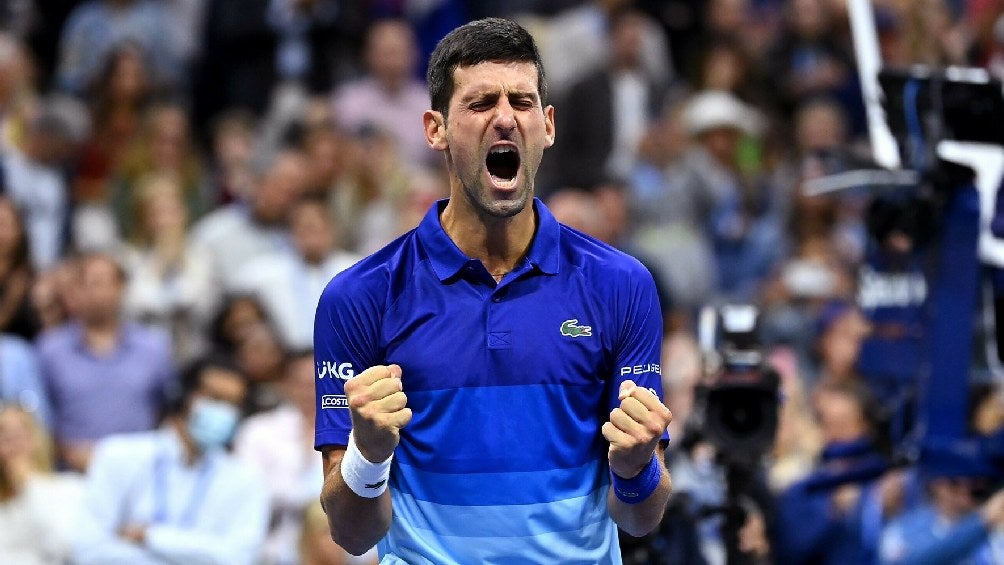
(346, 342)
(639, 350)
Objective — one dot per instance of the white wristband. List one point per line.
(368, 480)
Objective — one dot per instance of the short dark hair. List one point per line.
(190, 380)
(480, 41)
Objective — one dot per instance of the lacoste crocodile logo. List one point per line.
(571, 328)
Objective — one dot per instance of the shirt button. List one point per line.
(497, 298)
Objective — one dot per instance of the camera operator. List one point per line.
(823, 518)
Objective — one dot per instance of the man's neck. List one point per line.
(499, 243)
(101, 335)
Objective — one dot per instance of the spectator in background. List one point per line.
(96, 28)
(17, 90)
(840, 330)
(40, 512)
(398, 211)
(289, 282)
(809, 60)
(306, 33)
(995, 56)
(389, 97)
(175, 495)
(620, 100)
(832, 516)
(279, 445)
(164, 146)
(573, 44)
(104, 374)
(118, 96)
(932, 34)
(21, 381)
(953, 525)
(374, 182)
(33, 175)
(710, 210)
(16, 274)
(240, 232)
(725, 65)
(54, 295)
(261, 358)
(233, 142)
(237, 314)
(170, 280)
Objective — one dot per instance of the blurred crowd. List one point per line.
(179, 179)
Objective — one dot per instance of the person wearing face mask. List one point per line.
(170, 495)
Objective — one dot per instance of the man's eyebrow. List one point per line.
(532, 94)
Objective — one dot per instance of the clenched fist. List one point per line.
(378, 407)
(634, 429)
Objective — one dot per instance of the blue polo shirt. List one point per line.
(509, 384)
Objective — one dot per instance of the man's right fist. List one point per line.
(378, 407)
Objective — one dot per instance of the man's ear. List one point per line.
(549, 126)
(435, 129)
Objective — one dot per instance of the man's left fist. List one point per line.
(634, 429)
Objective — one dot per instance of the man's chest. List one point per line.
(529, 333)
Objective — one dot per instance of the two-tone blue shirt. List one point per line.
(509, 385)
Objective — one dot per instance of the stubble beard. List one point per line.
(485, 208)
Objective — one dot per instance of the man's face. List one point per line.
(100, 289)
(495, 135)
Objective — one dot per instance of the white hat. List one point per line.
(713, 109)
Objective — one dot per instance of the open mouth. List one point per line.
(503, 163)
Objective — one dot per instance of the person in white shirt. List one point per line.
(39, 509)
(238, 233)
(175, 495)
(289, 282)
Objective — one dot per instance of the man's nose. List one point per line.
(505, 117)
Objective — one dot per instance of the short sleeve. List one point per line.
(346, 342)
(639, 350)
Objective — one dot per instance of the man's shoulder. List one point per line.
(59, 337)
(374, 274)
(595, 257)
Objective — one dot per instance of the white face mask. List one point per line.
(212, 423)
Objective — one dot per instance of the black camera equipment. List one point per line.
(736, 410)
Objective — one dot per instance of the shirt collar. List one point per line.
(124, 340)
(447, 259)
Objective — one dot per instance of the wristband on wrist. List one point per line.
(640, 487)
(368, 480)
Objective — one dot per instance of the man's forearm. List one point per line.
(644, 517)
(356, 523)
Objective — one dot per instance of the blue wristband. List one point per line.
(637, 489)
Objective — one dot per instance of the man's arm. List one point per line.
(634, 432)
(644, 517)
(356, 523)
(378, 407)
